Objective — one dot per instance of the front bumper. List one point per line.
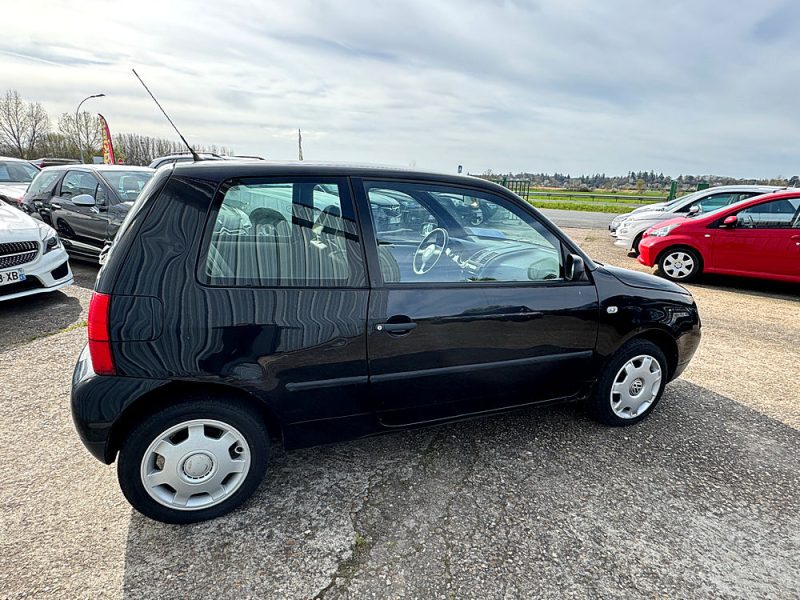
(687, 346)
(649, 249)
(47, 273)
(624, 240)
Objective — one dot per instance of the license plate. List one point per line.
(9, 277)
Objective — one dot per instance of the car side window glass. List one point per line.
(714, 202)
(453, 235)
(294, 234)
(78, 182)
(775, 214)
(43, 181)
(101, 197)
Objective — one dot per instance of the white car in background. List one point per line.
(15, 177)
(630, 229)
(32, 258)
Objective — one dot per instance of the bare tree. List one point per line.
(22, 124)
(85, 133)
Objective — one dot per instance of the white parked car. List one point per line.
(15, 176)
(629, 230)
(32, 258)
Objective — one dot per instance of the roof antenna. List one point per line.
(194, 154)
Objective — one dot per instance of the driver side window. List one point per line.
(441, 234)
(776, 214)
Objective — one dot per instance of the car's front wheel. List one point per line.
(679, 264)
(193, 461)
(630, 385)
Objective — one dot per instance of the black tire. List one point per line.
(635, 249)
(247, 421)
(669, 272)
(600, 403)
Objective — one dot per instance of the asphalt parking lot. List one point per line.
(700, 500)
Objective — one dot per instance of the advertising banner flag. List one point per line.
(108, 147)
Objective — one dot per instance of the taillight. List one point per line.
(99, 337)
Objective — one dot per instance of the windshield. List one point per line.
(127, 184)
(17, 172)
(682, 199)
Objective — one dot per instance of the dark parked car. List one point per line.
(86, 204)
(243, 302)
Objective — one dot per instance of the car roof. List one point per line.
(223, 169)
(11, 158)
(98, 168)
(787, 193)
(745, 186)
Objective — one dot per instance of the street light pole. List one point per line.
(77, 127)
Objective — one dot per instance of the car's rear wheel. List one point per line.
(679, 264)
(631, 384)
(193, 461)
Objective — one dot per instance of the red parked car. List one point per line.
(758, 237)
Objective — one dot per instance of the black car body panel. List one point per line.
(319, 362)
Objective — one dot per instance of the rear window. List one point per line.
(283, 234)
(17, 172)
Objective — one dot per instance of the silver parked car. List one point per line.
(630, 229)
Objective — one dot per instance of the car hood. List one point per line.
(13, 190)
(655, 207)
(675, 221)
(647, 215)
(16, 225)
(644, 280)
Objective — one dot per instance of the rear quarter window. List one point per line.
(282, 234)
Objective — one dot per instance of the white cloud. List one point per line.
(574, 86)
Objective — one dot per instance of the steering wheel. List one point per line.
(429, 250)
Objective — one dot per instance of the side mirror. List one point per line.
(83, 200)
(574, 269)
(694, 209)
(730, 221)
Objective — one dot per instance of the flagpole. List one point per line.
(299, 145)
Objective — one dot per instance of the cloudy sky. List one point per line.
(577, 86)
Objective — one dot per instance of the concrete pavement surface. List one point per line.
(700, 500)
(576, 218)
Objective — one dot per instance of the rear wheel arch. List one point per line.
(179, 393)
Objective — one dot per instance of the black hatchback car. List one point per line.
(86, 204)
(246, 302)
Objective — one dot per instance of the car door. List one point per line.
(488, 324)
(764, 240)
(82, 227)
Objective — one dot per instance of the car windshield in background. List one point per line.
(128, 184)
(681, 200)
(15, 172)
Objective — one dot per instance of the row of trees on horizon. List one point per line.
(634, 180)
(27, 131)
